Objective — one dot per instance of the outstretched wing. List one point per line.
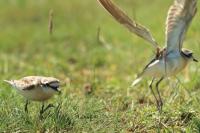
(178, 20)
(130, 24)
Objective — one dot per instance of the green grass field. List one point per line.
(74, 55)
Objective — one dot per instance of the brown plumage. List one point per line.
(36, 88)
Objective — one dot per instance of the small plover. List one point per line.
(36, 88)
(171, 59)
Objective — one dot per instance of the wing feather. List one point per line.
(130, 24)
(179, 17)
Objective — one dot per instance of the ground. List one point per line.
(96, 60)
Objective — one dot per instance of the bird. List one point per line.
(36, 88)
(172, 58)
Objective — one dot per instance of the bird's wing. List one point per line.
(179, 17)
(29, 82)
(29, 87)
(130, 24)
(21, 84)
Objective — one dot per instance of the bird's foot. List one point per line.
(45, 109)
(49, 106)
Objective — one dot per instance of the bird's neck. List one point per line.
(160, 53)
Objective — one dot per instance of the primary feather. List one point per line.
(179, 17)
(130, 24)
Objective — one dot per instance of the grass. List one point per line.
(75, 56)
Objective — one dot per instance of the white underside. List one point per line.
(37, 94)
(160, 68)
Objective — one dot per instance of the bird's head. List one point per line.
(51, 83)
(188, 54)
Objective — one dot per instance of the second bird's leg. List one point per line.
(151, 88)
(26, 106)
(42, 109)
(160, 102)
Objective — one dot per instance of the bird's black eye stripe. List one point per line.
(54, 87)
(187, 54)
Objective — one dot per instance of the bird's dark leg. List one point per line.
(160, 103)
(26, 106)
(151, 88)
(42, 109)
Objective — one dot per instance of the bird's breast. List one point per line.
(175, 65)
(37, 94)
(169, 67)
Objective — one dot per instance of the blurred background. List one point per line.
(89, 52)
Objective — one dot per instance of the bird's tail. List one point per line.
(135, 82)
(9, 82)
(138, 79)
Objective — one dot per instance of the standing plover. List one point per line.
(172, 58)
(36, 88)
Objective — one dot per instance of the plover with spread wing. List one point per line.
(172, 58)
(36, 88)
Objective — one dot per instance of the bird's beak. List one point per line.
(59, 91)
(195, 60)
